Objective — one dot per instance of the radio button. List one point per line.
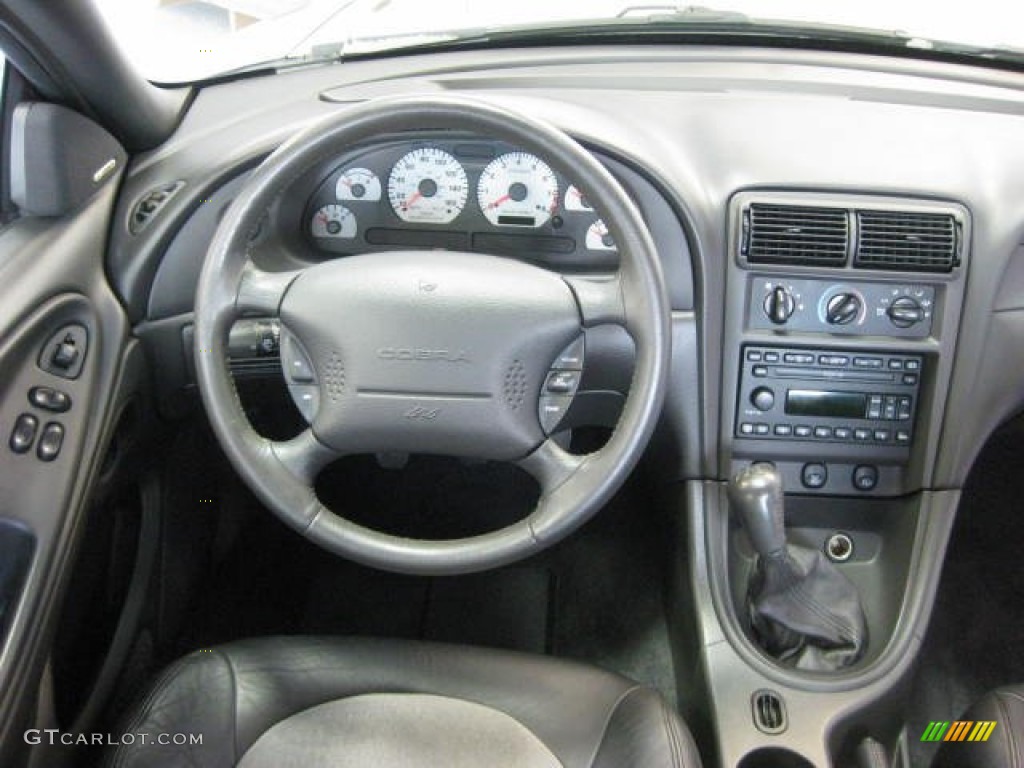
(798, 358)
(760, 370)
(760, 429)
(912, 365)
(823, 432)
(882, 435)
(910, 378)
(762, 398)
(861, 434)
(754, 355)
(746, 428)
(867, 362)
(839, 361)
(814, 475)
(843, 433)
(771, 357)
(865, 477)
(802, 430)
(896, 364)
(902, 436)
(783, 430)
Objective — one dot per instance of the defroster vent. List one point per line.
(795, 234)
(910, 241)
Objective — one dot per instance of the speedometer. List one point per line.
(428, 185)
(518, 189)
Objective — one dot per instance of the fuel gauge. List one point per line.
(334, 221)
(576, 200)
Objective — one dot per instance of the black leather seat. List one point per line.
(289, 702)
(1004, 748)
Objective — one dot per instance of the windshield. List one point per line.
(183, 40)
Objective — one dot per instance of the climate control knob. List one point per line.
(905, 312)
(779, 304)
(843, 308)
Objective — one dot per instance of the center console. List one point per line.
(841, 316)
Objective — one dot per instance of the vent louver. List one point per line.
(792, 234)
(769, 711)
(916, 242)
(150, 203)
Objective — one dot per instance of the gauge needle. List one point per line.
(412, 199)
(499, 201)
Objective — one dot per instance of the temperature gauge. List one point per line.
(358, 184)
(334, 221)
(576, 200)
(598, 238)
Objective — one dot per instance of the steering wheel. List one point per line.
(428, 351)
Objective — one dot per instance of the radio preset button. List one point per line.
(838, 361)
(746, 428)
(762, 398)
(823, 432)
(760, 429)
(754, 355)
(783, 430)
(867, 362)
(802, 430)
(902, 436)
(843, 433)
(861, 434)
(771, 357)
(882, 435)
(814, 475)
(798, 358)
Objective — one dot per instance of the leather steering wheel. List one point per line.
(430, 351)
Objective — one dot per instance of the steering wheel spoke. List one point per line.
(304, 456)
(261, 292)
(600, 299)
(551, 465)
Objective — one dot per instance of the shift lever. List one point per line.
(802, 609)
(757, 493)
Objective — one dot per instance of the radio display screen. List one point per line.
(841, 405)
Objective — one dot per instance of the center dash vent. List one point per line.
(795, 234)
(918, 242)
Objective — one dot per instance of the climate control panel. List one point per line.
(855, 308)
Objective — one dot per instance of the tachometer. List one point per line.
(428, 185)
(598, 238)
(518, 189)
(334, 221)
(358, 184)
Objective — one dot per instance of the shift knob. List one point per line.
(756, 492)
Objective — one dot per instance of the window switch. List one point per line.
(50, 442)
(66, 353)
(24, 433)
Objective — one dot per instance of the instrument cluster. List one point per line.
(459, 194)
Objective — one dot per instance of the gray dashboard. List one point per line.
(687, 129)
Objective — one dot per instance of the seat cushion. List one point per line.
(1005, 746)
(349, 701)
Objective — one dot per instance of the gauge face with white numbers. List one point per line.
(358, 184)
(334, 221)
(429, 186)
(518, 189)
(576, 200)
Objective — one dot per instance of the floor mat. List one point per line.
(597, 597)
(973, 641)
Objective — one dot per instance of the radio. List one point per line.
(828, 396)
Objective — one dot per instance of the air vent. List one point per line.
(791, 234)
(151, 202)
(914, 242)
(769, 711)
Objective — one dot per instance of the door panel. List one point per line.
(51, 278)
